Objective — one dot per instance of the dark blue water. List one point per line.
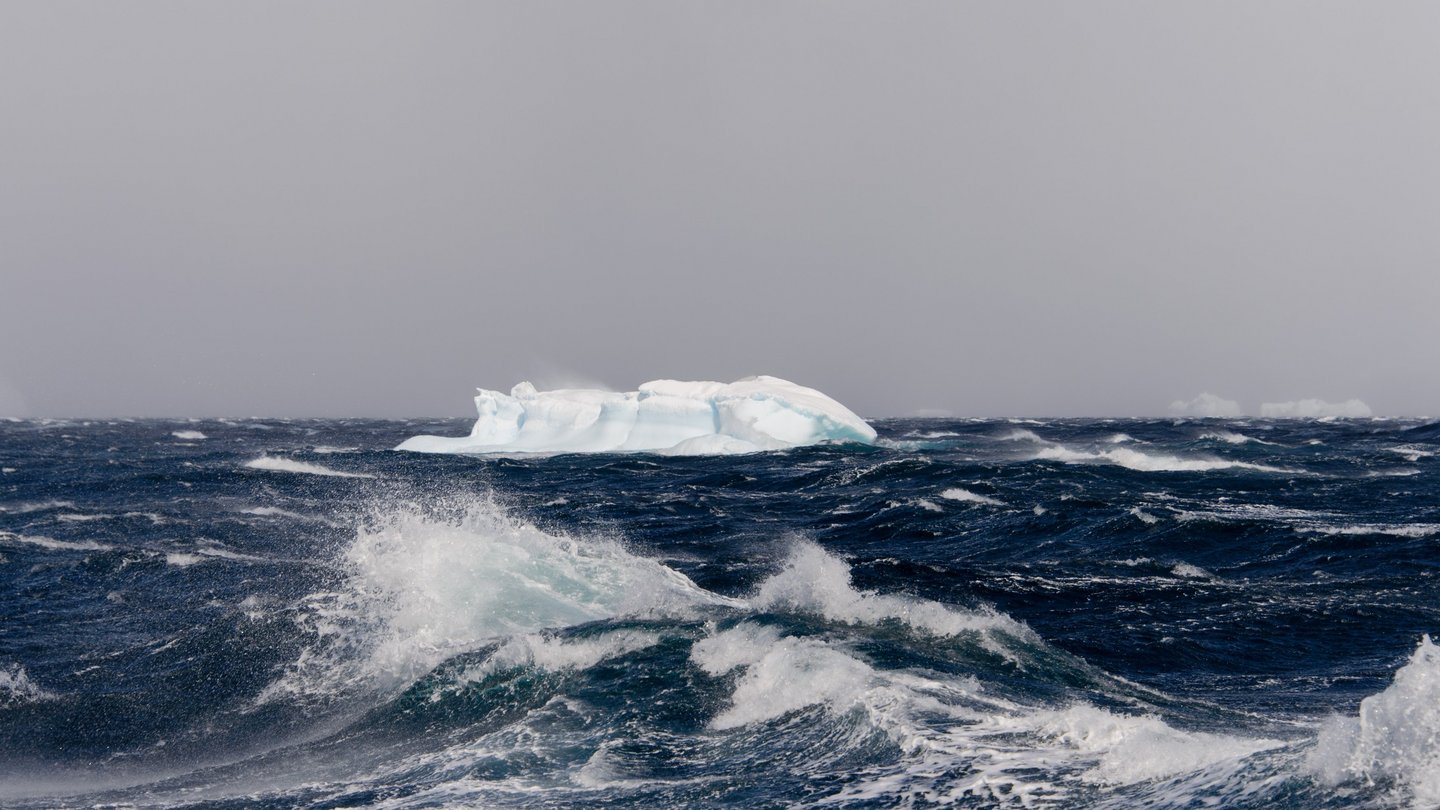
(984, 614)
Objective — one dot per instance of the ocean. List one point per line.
(974, 613)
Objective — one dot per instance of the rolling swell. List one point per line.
(822, 626)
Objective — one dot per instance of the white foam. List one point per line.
(273, 511)
(1414, 530)
(665, 416)
(1395, 738)
(959, 744)
(189, 435)
(1316, 409)
(557, 654)
(222, 553)
(933, 434)
(181, 559)
(1411, 453)
(958, 494)
(1231, 437)
(1188, 571)
(1207, 406)
(422, 588)
(25, 508)
(1144, 516)
(814, 581)
(1146, 462)
(75, 517)
(277, 512)
(325, 449)
(51, 543)
(1229, 512)
(290, 465)
(781, 674)
(17, 689)
(1135, 749)
(1023, 435)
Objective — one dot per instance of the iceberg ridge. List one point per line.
(670, 417)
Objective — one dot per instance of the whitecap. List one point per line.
(1143, 516)
(1187, 571)
(555, 654)
(290, 465)
(965, 495)
(51, 543)
(76, 517)
(781, 674)
(1395, 737)
(1414, 530)
(17, 689)
(189, 435)
(1231, 437)
(1411, 453)
(1146, 462)
(422, 588)
(814, 581)
(277, 512)
(959, 743)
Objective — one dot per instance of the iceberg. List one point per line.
(670, 417)
(1316, 409)
(1207, 406)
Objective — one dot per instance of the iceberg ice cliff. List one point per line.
(671, 417)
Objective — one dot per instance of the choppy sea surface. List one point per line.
(1001, 613)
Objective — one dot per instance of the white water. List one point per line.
(1231, 437)
(290, 465)
(51, 543)
(1147, 462)
(965, 495)
(17, 689)
(1395, 737)
(421, 589)
(814, 581)
(958, 742)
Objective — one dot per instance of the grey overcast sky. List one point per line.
(991, 208)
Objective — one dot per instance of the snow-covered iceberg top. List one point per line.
(665, 416)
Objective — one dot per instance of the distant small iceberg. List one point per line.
(669, 417)
(1207, 406)
(1316, 409)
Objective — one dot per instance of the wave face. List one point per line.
(1071, 614)
(665, 416)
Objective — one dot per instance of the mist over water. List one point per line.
(1079, 613)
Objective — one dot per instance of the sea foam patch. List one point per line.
(290, 465)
